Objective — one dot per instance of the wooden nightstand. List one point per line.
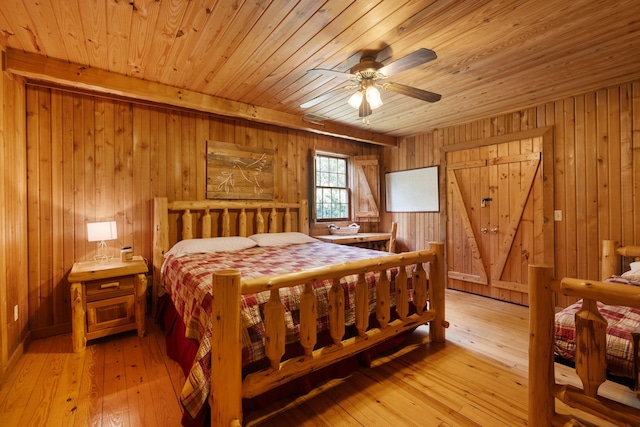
(107, 299)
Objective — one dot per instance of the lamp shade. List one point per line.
(373, 97)
(355, 99)
(101, 231)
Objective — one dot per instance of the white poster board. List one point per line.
(413, 190)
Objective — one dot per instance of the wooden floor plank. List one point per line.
(175, 374)
(324, 409)
(346, 395)
(65, 400)
(115, 406)
(89, 409)
(443, 398)
(139, 394)
(23, 380)
(164, 398)
(41, 401)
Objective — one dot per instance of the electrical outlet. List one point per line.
(15, 312)
(557, 215)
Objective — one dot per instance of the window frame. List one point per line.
(347, 187)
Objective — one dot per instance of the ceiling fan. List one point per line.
(368, 75)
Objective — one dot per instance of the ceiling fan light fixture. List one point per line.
(373, 97)
(356, 99)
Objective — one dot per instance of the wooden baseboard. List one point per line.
(50, 331)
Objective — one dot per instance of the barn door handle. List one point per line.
(484, 230)
(483, 202)
(494, 229)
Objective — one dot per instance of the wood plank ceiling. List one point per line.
(494, 56)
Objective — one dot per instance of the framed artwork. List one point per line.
(239, 172)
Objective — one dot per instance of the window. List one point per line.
(347, 188)
(332, 191)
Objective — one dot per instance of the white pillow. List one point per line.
(210, 245)
(634, 273)
(279, 239)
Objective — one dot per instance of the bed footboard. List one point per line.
(590, 349)
(226, 406)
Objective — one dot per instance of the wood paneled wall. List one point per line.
(13, 229)
(596, 172)
(92, 158)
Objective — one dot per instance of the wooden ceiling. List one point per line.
(494, 56)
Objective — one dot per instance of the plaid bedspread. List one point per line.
(188, 281)
(621, 322)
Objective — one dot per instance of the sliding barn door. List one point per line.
(495, 218)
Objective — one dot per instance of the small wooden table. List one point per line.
(107, 299)
(372, 240)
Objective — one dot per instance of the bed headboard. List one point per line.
(180, 220)
(611, 260)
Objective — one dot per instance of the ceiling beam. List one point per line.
(42, 68)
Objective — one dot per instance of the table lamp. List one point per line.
(101, 232)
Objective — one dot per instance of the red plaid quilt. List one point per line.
(621, 322)
(188, 281)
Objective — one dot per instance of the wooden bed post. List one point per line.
(610, 259)
(541, 370)
(303, 216)
(437, 285)
(591, 347)
(206, 224)
(287, 219)
(242, 223)
(226, 223)
(259, 222)
(187, 225)
(160, 245)
(225, 397)
(273, 221)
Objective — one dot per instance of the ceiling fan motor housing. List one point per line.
(367, 69)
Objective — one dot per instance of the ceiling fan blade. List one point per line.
(413, 92)
(324, 97)
(332, 73)
(414, 59)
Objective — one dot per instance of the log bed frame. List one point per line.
(590, 343)
(228, 286)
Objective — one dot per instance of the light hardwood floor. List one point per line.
(478, 377)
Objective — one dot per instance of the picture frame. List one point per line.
(239, 172)
(413, 190)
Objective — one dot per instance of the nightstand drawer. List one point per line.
(99, 289)
(111, 312)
